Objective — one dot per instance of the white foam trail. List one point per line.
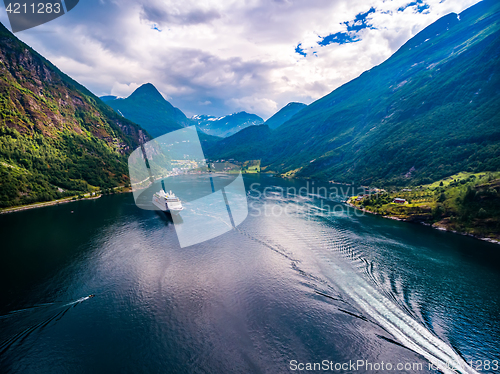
(38, 306)
(14, 312)
(77, 301)
(381, 309)
(408, 331)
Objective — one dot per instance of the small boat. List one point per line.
(91, 296)
(167, 202)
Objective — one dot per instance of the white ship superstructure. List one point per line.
(167, 202)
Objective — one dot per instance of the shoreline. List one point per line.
(440, 228)
(45, 204)
(347, 202)
(65, 200)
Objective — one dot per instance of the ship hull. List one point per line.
(159, 205)
(164, 207)
(174, 211)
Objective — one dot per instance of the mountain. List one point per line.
(227, 125)
(244, 145)
(284, 114)
(429, 111)
(56, 137)
(108, 98)
(147, 107)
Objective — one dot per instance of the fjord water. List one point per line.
(302, 278)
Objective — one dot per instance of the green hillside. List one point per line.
(464, 202)
(284, 114)
(429, 111)
(247, 144)
(56, 137)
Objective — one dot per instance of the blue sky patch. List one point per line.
(300, 51)
(339, 38)
(155, 27)
(359, 23)
(419, 5)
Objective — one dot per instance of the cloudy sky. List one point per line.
(222, 56)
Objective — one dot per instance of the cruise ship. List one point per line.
(167, 202)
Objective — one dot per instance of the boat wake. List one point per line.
(36, 317)
(340, 261)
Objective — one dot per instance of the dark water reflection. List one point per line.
(251, 300)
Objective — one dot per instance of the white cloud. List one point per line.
(252, 104)
(221, 56)
(123, 90)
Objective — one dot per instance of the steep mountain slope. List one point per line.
(227, 125)
(108, 98)
(147, 107)
(246, 144)
(429, 111)
(56, 137)
(284, 114)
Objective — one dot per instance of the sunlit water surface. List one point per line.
(318, 282)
